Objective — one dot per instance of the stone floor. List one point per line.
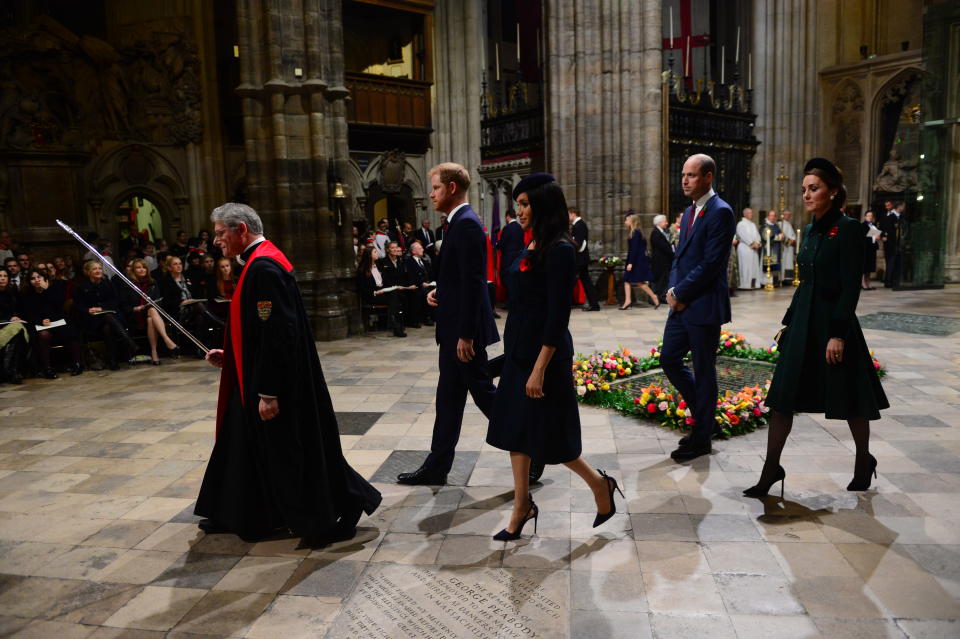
(98, 475)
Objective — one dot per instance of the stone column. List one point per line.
(291, 70)
(603, 110)
(786, 99)
(458, 65)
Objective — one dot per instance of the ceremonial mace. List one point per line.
(146, 298)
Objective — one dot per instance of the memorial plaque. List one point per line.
(732, 374)
(480, 603)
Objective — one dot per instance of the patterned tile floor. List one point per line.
(98, 475)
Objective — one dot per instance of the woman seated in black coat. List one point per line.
(97, 306)
(143, 316)
(370, 283)
(13, 331)
(43, 307)
(535, 411)
(181, 301)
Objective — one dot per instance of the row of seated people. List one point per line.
(397, 283)
(45, 312)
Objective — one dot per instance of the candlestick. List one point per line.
(749, 71)
(538, 48)
(518, 42)
(737, 56)
(671, 26)
(496, 51)
(688, 58)
(723, 63)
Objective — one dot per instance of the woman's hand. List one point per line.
(94, 309)
(535, 384)
(834, 350)
(15, 319)
(45, 322)
(378, 292)
(629, 267)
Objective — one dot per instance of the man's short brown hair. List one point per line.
(574, 210)
(452, 172)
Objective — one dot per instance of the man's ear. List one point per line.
(242, 228)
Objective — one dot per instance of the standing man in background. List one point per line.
(581, 235)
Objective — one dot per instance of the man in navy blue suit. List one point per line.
(699, 302)
(510, 244)
(464, 317)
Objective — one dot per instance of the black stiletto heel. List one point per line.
(533, 512)
(611, 487)
(861, 480)
(761, 489)
(628, 306)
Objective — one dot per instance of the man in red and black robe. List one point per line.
(277, 465)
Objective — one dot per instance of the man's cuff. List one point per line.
(267, 396)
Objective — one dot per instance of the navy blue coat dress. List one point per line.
(637, 256)
(546, 429)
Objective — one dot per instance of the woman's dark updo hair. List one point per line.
(551, 222)
(831, 175)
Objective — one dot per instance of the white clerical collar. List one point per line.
(575, 220)
(240, 259)
(452, 214)
(704, 199)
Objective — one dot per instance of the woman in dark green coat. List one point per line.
(825, 365)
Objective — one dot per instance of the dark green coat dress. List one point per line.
(824, 306)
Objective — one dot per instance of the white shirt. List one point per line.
(242, 261)
(700, 203)
(583, 245)
(452, 214)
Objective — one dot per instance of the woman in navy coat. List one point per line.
(638, 265)
(535, 411)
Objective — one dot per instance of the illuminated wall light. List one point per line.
(919, 197)
(236, 51)
(923, 155)
(298, 72)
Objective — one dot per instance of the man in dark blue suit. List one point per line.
(465, 325)
(699, 302)
(510, 244)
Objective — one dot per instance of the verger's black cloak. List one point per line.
(288, 472)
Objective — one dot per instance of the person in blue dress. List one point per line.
(637, 271)
(535, 412)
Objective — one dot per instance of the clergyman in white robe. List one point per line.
(789, 247)
(749, 257)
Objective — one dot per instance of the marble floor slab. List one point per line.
(98, 475)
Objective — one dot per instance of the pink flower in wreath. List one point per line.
(689, 421)
(728, 343)
(636, 400)
(757, 412)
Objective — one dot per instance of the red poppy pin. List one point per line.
(702, 211)
(525, 265)
(833, 232)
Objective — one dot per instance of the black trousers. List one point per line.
(662, 280)
(456, 378)
(583, 272)
(891, 276)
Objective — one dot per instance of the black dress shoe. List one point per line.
(686, 453)
(422, 476)
(75, 370)
(589, 309)
(685, 440)
(48, 373)
(211, 527)
(428, 322)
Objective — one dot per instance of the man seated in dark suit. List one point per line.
(416, 268)
(699, 300)
(465, 325)
(510, 244)
(426, 237)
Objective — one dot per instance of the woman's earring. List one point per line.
(831, 197)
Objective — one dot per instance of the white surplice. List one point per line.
(750, 274)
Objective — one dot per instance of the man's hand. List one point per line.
(432, 298)
(674, 303)
(465, 350)
(215, 357)
(629, 267)
(269, 408)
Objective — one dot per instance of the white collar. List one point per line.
(700, 203)
(575, 220)
(242, 261)
(452, 214)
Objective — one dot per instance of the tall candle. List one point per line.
(671, 26)
(518, 42)
(737, 55)
(749, 71)
(723, 62)
(496, 51)
(688, 56)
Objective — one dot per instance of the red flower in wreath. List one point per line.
(833, 232)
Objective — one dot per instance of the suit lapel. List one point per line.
(688, 236)
(684, 225)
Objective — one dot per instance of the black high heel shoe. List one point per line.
(861, 476)
(761, 489)
(533, 512)
(627, 307)
(611, 486)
